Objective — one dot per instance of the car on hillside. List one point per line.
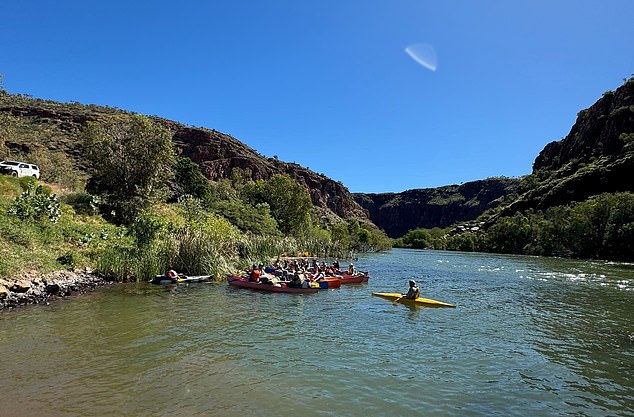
(19, 169)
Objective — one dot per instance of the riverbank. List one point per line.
(35, 288)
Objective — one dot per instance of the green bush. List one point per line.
(601, 227)
(188, 180)
(82, 202)
(289, 201)
(417, 239)
(246, 217)
(36, 204)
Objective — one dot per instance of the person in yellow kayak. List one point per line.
(413, 291)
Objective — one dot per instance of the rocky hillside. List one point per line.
(597, 156)
(397, 213)
(29, 125)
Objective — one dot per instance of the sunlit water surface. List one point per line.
(529, 337)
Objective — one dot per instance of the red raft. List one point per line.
(354, 279)
(242, 282)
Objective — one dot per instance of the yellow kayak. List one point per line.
(426, 302)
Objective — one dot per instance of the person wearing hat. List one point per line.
(413, 291)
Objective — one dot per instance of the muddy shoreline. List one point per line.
(35, 288)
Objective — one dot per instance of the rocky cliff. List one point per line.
(597, 156)
(397, 213)
(35, 124)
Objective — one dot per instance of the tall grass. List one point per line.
(262, 249)
(197, 248)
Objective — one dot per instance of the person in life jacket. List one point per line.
(413, 291)
(254, 274)
(171, 274)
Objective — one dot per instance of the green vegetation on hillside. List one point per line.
(601, 227)
(36, 233)
(145, 210)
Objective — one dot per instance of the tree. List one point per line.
(417, 238)
(132, 163)
(189, 180)
(289, 201)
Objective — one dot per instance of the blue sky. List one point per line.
(327, 84)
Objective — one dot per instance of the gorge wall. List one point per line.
(597, 156)
(397, 213)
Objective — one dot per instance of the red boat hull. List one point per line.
(354, 279)
(241, 282)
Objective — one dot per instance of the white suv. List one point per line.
(19, 169)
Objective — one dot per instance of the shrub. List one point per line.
(36, 204)
(246, 217)
(188, 180)
(82, 202)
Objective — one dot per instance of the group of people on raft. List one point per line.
(296, 273)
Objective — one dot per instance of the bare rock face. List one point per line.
(397, 213)
(218, 153)
(597, 156)
(598, 132)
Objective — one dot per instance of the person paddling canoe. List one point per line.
(413, 291)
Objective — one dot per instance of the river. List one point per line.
(529, 337)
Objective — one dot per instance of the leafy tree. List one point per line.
(189, 180)
(132, 163)
(247, 218)
(339, 233)
(289, 201)
(240, 178)
(509, 234)
(58, 167)
(619, 234)
(366, 237)
(417, 239)
(465, 242)
(600, 227)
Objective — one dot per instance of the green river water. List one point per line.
(529, 337)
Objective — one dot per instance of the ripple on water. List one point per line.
(528, 337)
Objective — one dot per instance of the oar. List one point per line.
(396, 300)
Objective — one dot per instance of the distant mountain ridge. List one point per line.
(397, 213)
(597, 156)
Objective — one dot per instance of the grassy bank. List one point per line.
(73, 241)
(44, 231)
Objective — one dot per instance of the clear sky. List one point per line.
(328, 83)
